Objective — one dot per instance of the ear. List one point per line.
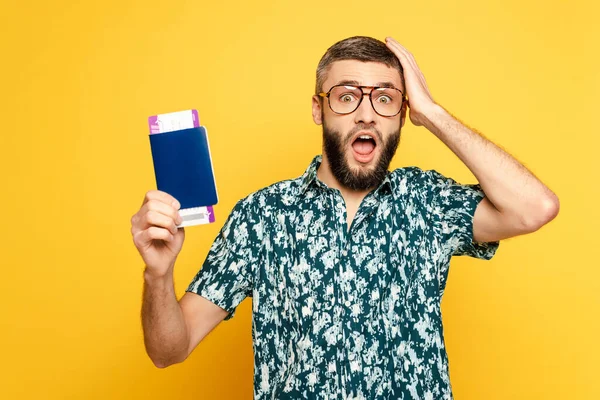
(316, 109)
(403, 113)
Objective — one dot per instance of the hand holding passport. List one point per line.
(183, 165)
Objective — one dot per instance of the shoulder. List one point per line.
(415, 177)
(277, 194)
(409, 173)
(409, 179)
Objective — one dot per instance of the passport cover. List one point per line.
(183, 166)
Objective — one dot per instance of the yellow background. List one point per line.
(79, 80)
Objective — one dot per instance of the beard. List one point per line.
(358, 179)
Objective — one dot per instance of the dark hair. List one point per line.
(361, 48)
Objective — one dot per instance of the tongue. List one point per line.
(363, 147)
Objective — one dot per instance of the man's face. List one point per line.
(358, 163)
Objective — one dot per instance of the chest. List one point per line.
(325, 255)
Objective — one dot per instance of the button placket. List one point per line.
(339, 242)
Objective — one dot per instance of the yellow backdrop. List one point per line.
(79, 80)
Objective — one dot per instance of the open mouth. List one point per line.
(363, 148)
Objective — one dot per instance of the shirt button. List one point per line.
(347, 303)
(351, 356)
(344, 253)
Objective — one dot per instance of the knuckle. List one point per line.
(162, 233)
(136, 238)
(151, 217)
(151, 204)
(168, 197)
(163, 196)
(153, 232)
(155, 195)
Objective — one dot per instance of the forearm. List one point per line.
(509, 186)
(165, 333)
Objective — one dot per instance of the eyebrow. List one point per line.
(386, 84)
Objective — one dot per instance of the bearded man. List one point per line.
(346, 264)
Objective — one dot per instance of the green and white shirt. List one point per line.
(342, 313)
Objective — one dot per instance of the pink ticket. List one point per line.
(174, 121)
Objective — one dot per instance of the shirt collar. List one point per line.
(310, 177)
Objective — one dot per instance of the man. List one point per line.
(347, 264)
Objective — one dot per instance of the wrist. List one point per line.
(435, 115)
(153, 277)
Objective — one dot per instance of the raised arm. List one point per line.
(516, 201)
(172, 329)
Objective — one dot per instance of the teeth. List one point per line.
(365, 137)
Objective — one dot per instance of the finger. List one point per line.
(397, 45)
(401, 51)
(139, 221)
(407, 65)
(395, 48)
(162, 196)
(401, 48)
(391, 39)
(162, 208)
(425, 83)
(154, 218)
(404, 51)
(143, 238)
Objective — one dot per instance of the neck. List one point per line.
(325, 175)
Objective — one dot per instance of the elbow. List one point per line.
(165, 361)
(161, 363)
(163, 353)
(546, 211)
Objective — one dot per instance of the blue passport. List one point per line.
(183, 166)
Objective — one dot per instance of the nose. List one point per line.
(365, 112)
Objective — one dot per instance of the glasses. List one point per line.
(345, 99)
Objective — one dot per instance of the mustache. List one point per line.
(359, 128)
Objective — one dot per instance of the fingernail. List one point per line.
(176, 205)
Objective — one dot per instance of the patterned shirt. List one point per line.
(344, 312)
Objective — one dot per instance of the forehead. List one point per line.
(365, 73)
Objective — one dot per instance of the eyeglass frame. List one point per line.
(326, 95)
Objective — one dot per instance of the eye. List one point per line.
(384, 99)
(347, 98)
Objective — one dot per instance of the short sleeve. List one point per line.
(226, 276)
(453, 208)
